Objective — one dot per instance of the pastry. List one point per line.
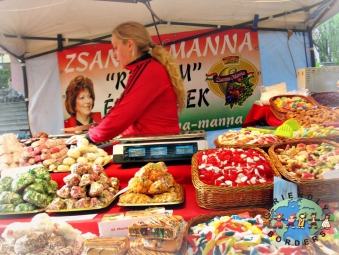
(160, 227)
(106, 246)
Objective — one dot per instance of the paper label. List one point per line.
(331, 174)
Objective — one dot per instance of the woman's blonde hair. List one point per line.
(137, 32)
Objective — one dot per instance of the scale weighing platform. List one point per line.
(160, 147)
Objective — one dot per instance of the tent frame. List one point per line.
(253, 25)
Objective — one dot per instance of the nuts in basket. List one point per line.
(312, 116)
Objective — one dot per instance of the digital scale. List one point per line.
(160, 147)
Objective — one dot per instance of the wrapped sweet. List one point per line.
(36, 198)
(36, 186)
(47, 188)
(7, 207)
(40, 172)
(70, 203)
(87, 179)
(84, 202)
(55, 241)
(64, 192)
(108, 195)
(80, 168)
(96, 189)
(22, 181)
(53, 185)
(9, 197)
(103, 177)
(57, 204)
(98, 169)
(24, 207)
(72, 179)
(95, 202)
(78, 192)
(30, 242)
(5, 183)
(114, 182)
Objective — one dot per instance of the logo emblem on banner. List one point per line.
(233, 79)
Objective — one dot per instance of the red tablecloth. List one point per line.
(259, 113)
(181, 173)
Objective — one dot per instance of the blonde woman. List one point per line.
(154, 93)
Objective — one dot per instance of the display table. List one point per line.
(180, 172)
(261, 113)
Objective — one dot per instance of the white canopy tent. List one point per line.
(33, 31)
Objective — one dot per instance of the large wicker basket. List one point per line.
(327, 99)
(252, 212)
(281, 113)
(324, 190)
(206, 217)
(220, 198)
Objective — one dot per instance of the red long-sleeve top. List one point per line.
(147, 105)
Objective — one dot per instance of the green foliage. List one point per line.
(5, 74)
(325, 39)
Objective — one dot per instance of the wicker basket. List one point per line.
(327, 99)
(206, 217)
(324, 190)
(220, 198)
(280, 113)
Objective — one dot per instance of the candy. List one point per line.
(233, 167)
(243, 241)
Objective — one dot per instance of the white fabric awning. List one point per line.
(30, 28)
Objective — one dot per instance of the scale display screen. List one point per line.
(137, 152)
(159, 152)
(184, 149)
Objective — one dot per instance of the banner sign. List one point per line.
(221, 71)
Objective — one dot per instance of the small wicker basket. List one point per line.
(206, 217)
(220, 198)
(324, 190)
(264, 146)
(280, 113)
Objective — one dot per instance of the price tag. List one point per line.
(331, 174)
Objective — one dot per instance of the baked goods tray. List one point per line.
(81, 209)
(24, 212)
(152, 204)
(104, 164)
(180, 201)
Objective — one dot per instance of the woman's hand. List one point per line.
(75, 138)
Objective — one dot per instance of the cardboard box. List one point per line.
(116, 225)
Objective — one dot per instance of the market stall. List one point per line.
(245, 194)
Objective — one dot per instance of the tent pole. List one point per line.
(24, 74)
(310, 38)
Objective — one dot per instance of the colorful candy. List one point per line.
(314, 131)
(213, 237)
(233, 167)
(292, 103)
(309, 161)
